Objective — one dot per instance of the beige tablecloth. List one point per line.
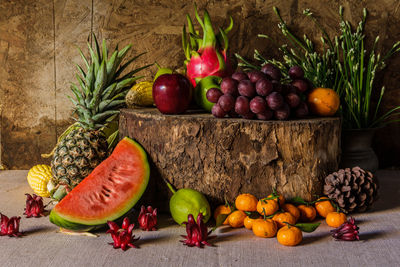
(42, 246)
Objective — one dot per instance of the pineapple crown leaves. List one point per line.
(101, 89)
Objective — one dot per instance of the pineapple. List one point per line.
(99, 95)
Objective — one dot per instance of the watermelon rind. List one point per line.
(78, 224)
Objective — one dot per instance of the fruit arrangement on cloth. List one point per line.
(267, 217)
(98, 98)
(109, 192)
(353, 189)
(286, 219)
(97, 185)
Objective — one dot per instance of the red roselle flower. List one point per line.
(9, 226)
(148, 219)
(197, 234)
(348, 231)
(122, 237)
(34, 206)
(207, 55)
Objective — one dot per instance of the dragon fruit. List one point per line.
(34, 206)
(148, 219)
(122, 237)
(206, 56)
(197, 233)
(9, 226)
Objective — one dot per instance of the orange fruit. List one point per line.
(335, 219)
(324, 207)
(222, 209)
(292, 209)
(289, 236)
(269, 205)
(282, 217)
(236, 218)
(246, 202)
(281, 199)
(307, 213)
(248, 222)
(264, 228)
(323, 101)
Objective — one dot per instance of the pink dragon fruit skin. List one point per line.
(208, 55)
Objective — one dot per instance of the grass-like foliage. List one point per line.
(343, 64)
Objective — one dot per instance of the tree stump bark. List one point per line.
(224, 157)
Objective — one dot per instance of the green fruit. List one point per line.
(109, 192)
(162, 71)
(188, 201)
(201, 89)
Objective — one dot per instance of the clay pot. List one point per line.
(357, 149)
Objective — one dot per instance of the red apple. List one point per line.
(172, 93)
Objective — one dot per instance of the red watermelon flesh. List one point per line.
(110, 191)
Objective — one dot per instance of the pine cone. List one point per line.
(353, 189)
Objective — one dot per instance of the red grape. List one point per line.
(271, 71)
(213, 95)
(258, 105)
(288, 88)
(266, 115)
(302, 110)
(277, 86)
(242, 105)
(283, 113)
(264, 87)
(267, 67)
(217, 111)
(296, 72)
(301, 85)
(293, 100)
(274, 100)
(255, 75)
(238, 76)
(246, 88)
(226, 102)
(229, 86)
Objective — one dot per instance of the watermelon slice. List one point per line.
(109, 192)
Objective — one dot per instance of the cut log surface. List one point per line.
(225, 157)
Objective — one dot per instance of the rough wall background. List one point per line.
(38, 40)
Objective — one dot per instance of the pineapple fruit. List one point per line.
(99, 95)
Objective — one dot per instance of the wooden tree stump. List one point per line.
(224, 157)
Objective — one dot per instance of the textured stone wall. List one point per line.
(38, 40)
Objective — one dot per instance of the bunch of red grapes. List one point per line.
(261, 95)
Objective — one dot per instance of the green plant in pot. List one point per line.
(345, 65)
(361, 118)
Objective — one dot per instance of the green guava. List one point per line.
(188, 201)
